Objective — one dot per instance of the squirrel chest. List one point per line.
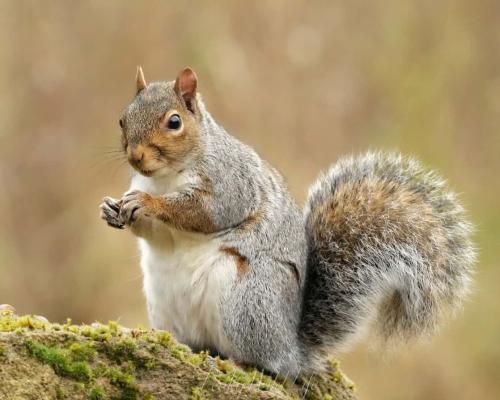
(186, 277)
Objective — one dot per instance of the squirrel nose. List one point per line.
(135, 154)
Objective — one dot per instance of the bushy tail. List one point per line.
(389, 250)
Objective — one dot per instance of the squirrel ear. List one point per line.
(185, 87)
(140, 81)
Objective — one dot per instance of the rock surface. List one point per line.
(41, 360)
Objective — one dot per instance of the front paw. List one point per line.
(110, 210)
(133, 207)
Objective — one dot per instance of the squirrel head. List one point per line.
(161, 127)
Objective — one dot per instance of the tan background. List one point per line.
(302, 83)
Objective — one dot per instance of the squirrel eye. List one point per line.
(121, 122)
(174, 122)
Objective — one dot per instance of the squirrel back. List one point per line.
(388, 249)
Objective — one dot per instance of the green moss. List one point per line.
(125, 382)
(268, 380)
(236, 376)
(97, 393)
(223, 365)
(126, 350)
(180, 352)
(113, 328)
(154, 348)
(61, 361)
(101, 333)
(60, 393)
(164, 339)
(197, 393)
(241, 377)
(224, 378)
(197, 359)
(87, 361)
(86, 331)
(69, 327)
(150, 364)
(9, 323)
(81, 361)
(80, 371)
(121, 349)
(339, 377)
(232, 373)
(82, 352)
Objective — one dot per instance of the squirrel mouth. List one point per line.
(142, 171)
(146, 172)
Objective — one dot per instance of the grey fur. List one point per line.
(308, 291)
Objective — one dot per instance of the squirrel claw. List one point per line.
(130, 204)
(110, 212)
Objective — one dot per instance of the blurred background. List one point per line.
(303, 83)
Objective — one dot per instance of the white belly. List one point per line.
(186, 277)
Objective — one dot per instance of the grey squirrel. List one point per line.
(232, 265)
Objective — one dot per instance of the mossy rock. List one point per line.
(41, 360)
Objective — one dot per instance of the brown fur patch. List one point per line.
(251, 221)
(175, 146)
(205, 187)
(242, 265)
(295, 271)
(184, 213)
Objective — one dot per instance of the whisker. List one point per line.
(116, 151)
(104, 147)
(106, 162)
(124, 162)
(108, 153)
